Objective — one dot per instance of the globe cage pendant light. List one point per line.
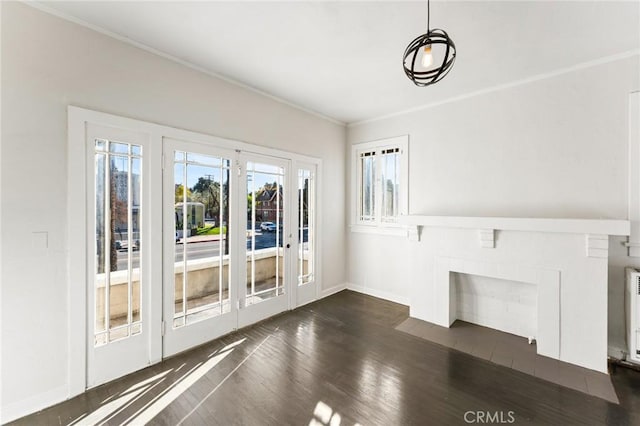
(426, 73)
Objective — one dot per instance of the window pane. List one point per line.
(265, 214)
(136, 245)
(119, 148)
(269, 169)
(202, 249)
(306, 226)
(390, 187)
(367, 192)
(118, 196)
(181, 198)
(119, 297)
(101, 250)
(364, 189)
(202, 283)
(203, 159)
(396, 196)
(224, 224)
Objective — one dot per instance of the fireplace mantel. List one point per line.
(566, 259)
(596, 231)
(570, 226)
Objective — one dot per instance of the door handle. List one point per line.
(288, 245)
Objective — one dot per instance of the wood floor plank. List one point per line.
(341, 358)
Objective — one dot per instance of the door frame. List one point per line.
(77, 119)
(77, 237)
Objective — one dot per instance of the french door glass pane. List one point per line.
(136, 247)
(201, 218)
(118, 171)
(101, 243)
(265, 213)
(306, 199)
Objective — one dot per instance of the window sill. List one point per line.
(393, 230)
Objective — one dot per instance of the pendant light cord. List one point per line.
(428, 14)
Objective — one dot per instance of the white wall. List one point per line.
(49, 63)
(555, 147)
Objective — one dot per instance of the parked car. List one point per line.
(123, 245)
(268, 226)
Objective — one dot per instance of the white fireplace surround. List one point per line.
(547, 282)
(566, 259)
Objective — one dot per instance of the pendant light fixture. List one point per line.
(418, 59)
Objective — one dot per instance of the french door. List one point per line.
(118, 261)
(200, 229)
(305, 239)
(185, 241)
(265, 276)
(228, 259)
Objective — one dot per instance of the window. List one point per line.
(380, 176)
(390, 179)
(117, 180)
(201, 184)
(306, 224)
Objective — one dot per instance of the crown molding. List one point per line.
(583, 65)
(520, 82)
(51, 11)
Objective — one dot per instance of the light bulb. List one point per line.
(427, 58)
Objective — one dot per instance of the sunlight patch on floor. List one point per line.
(115, 404)
(223, 380)
(152, 409)
(108, 409)
(324, 415)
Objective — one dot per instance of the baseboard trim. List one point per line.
(18, 409)
(380, 294)
(332, 290)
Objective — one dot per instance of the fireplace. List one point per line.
(562, 262)
(547, 295)
(504, 305)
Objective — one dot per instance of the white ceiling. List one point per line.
(344, 59)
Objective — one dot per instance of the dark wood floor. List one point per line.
(339, 361)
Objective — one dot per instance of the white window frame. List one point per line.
(378, 225)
